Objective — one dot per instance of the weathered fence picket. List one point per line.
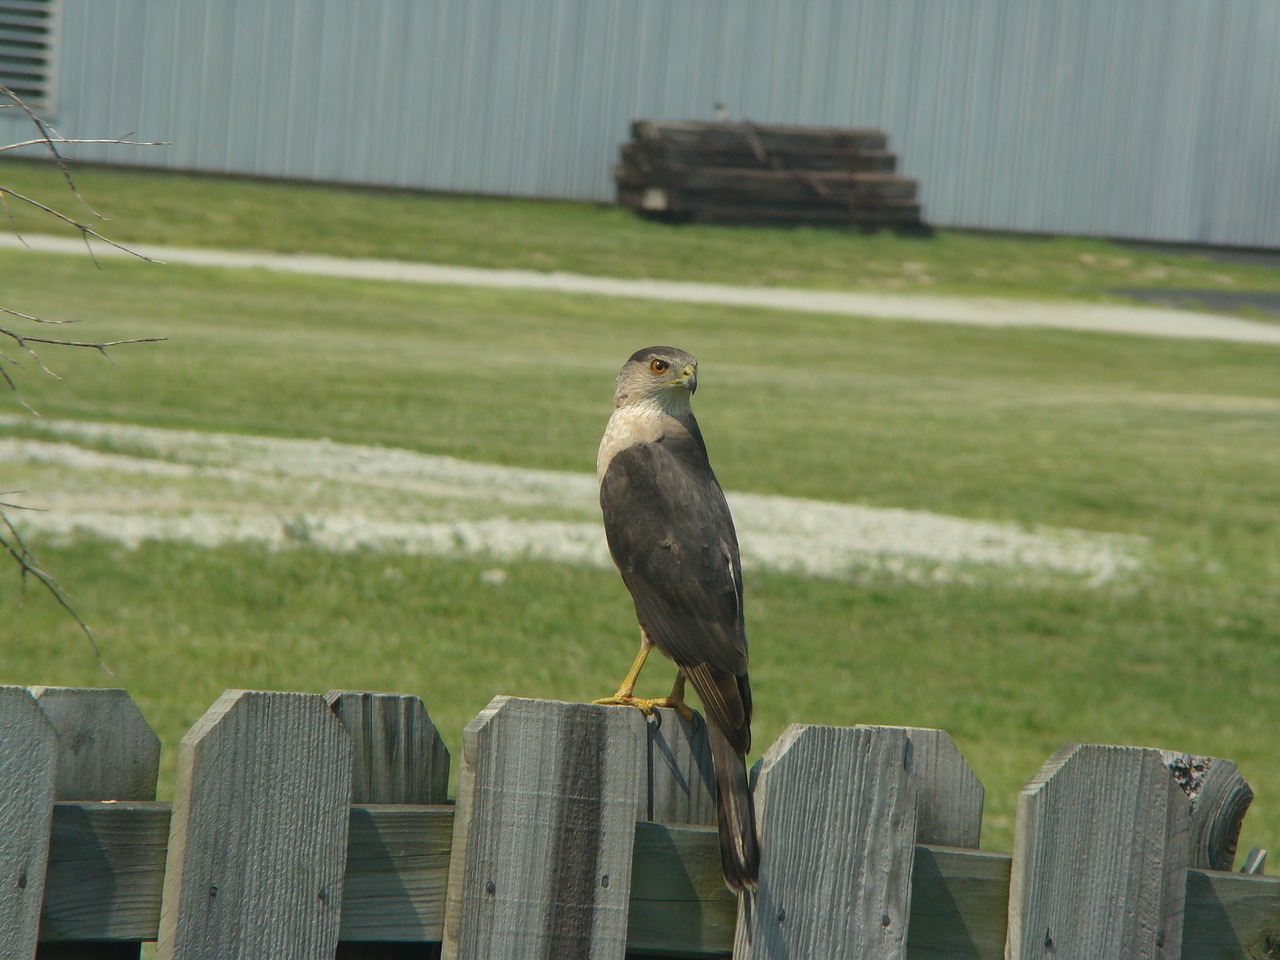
(837, 804)
(304, 825)
(1100, 853)
(544, 832)
(679, 903)
(850, 805)
(106, 752)
(28, 770)
(398, 757)
(677, 781)
(106, 748)
(258, 839)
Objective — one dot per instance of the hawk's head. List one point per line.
(665, 376)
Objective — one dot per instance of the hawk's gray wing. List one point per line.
(672, 537)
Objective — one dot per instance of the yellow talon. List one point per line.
(646, 705)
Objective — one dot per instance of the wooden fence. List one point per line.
(305, 825)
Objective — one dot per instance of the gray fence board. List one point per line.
(667, 911)
(839, 804)
(398, 755)
(959, 900)
(1220, 797)
(397, 873)
(948, 792)
(242, 879)
(1104, 834)
(544, 832)
(1100, 855)
(106, 872)
(28, 769)
(959, 905)
(106, 749)
(679, 786)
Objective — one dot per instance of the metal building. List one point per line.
(1157, 119)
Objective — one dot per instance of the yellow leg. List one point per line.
(675, 700)
(625, 697)
(628, 686)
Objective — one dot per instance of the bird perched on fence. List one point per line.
(671, 535)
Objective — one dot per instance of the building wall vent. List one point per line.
(28, 45)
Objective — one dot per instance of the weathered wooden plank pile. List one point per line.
(308, 826)
(748, 173)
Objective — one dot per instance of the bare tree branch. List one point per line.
(50, 139)
(11, 541)
(26, 316)
(25, 341)
(123, 141)
(86, 231)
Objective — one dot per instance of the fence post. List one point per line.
(258, 839)
(1100, 851)
(398, 757)
(543, 832)
(28, 770)
(837, 819)
(106, 751)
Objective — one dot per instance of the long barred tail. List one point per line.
(739, 847)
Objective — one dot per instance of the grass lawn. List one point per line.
(1174, 441)
(202, 211)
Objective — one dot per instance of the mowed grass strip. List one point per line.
(1171, 440)
(597, 239)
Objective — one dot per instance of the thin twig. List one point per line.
(25, 342)
(7, 505)
(86, 231)
(115, 141)
(30, 565)
(25, 316)
(4, 374)
(50, 139)
(100, 347)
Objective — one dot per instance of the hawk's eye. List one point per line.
(658, 366)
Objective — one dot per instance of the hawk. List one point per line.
(672, 538)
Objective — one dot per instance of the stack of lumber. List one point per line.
(725, 172)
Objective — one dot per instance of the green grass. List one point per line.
(1012, 673)
(1171, 440)
(192, 210)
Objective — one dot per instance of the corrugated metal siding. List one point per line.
(1139, 118)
